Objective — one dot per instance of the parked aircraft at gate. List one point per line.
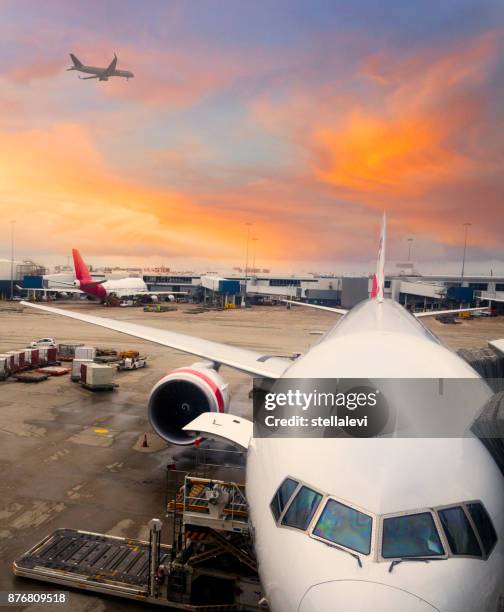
(381, 524)
(129, 287)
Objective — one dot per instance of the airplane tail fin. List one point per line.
(81, 270)
(112, 65)
(76, 62)
(378, 288)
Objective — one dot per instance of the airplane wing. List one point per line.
(223, 426)
(419, 315)
(96, 76)
(112, 66)
(241, 359)
(340, 311)
(166, 293)
(435, 313)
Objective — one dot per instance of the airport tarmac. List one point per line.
(73, 458)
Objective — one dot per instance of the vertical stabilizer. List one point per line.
(378, 288)
(81, 270)
(76, 62)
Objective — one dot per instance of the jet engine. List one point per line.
(181, 396)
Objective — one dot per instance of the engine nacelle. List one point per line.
(181, 396)
(77, 283)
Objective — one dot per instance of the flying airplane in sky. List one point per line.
(102, 74)
(350, 524)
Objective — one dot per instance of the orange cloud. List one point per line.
(406, 144)
(411, 135)
(433, 71)
(63, 194)
(373, 155)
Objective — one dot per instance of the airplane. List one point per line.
(102, 74)
(131, 286)
(387, 524)
(120, 288)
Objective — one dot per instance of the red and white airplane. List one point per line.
(381, 524)
(130, 286)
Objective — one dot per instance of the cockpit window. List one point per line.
(459, 532)
(484, 525)
(282, 496)
(411, 535)
(302, 508)
(343, 525)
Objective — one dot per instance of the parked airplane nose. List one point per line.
(360, 596)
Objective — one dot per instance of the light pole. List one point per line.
(12, 261)
(410, 241)
(254, 241)
(466, 226)
(247, 255)
(248, 224)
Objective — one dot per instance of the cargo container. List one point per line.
(5, 366)
(18, 361)
(66, 352)
(52, 355)
(85, 352)
(47, 355)
(42, 354)
(76, 368)
(34, 357)
(97, 376)
(9, 361)
(27, 357)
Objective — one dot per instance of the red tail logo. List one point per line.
(374, 288)
(81, 270)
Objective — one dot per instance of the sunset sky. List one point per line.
(305, 118)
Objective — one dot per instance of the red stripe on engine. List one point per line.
(209, 382)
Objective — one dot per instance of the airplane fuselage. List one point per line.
(102, 73)
(380, 476)
(124, 287)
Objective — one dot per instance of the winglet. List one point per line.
(81, 270)
(378, 288)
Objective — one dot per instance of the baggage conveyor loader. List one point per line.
(209, 567)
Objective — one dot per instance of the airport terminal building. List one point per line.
(408, 288)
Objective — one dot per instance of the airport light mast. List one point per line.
(466, 226)
(254, 242)
(12, 261)
(248, 224)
